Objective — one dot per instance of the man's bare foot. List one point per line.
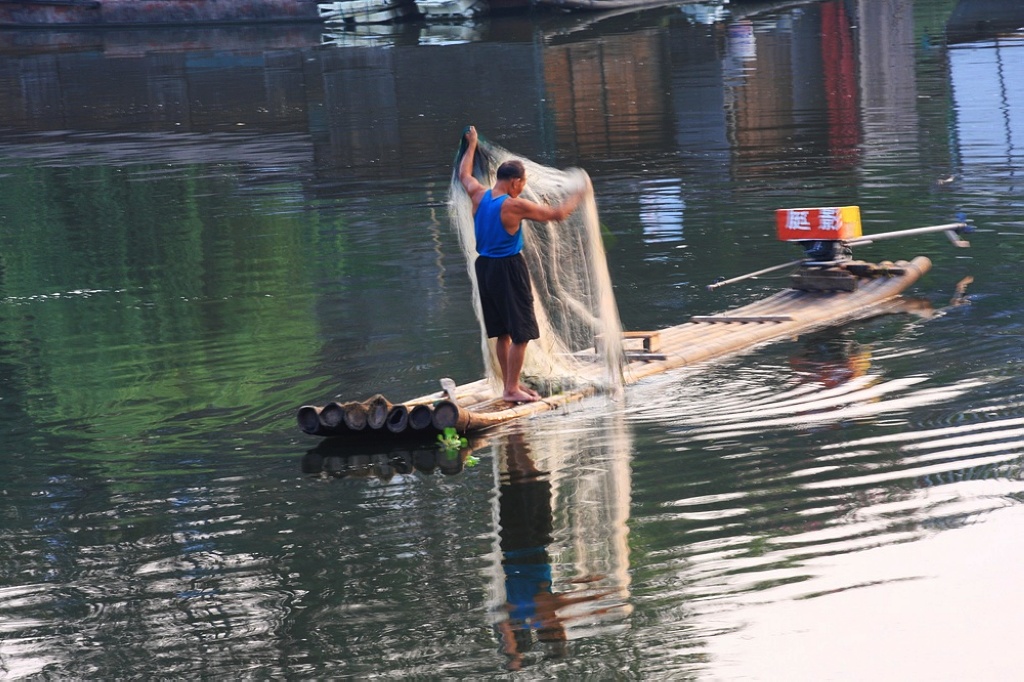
(526, 389)
(520, 396)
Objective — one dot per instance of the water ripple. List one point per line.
(865, 397)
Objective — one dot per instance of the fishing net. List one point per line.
(580, 333)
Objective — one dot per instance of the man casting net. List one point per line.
(533, 244)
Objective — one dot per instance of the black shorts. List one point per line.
(506, 297)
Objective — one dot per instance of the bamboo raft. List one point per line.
(862, 290)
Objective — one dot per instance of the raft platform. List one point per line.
(820, 298)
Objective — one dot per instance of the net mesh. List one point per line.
(580, 333)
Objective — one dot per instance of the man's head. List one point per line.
(512, 172)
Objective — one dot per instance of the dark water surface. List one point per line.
(201, 231)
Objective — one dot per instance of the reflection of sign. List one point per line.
(841, 222)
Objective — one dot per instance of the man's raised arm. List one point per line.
(470, 183)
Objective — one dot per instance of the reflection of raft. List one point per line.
(332, 459)
(473, 407)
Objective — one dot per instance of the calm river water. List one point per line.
(201, 231)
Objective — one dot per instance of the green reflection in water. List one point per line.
(179, 295)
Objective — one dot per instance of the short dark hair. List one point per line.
(513, 168)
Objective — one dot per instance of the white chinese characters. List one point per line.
(798, 220)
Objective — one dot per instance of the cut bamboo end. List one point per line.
(355, 416)
(446, 415)
(398, 418)
(420, 417)
(308, 418)
(377, 409)
(332, 416)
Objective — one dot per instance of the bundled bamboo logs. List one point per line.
(375, 414)
(379, 414)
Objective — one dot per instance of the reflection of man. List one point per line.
(832, 362)
(525, 518)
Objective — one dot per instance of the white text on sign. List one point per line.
(798, 220)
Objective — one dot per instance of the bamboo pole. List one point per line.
(447, 415)
(948, 227)
(751, 275)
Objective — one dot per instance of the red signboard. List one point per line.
(834, 223)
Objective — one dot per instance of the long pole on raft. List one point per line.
(951, 230)
(740, 278)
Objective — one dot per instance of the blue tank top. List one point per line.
(491, 238)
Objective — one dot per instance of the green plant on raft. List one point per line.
(451, 440)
